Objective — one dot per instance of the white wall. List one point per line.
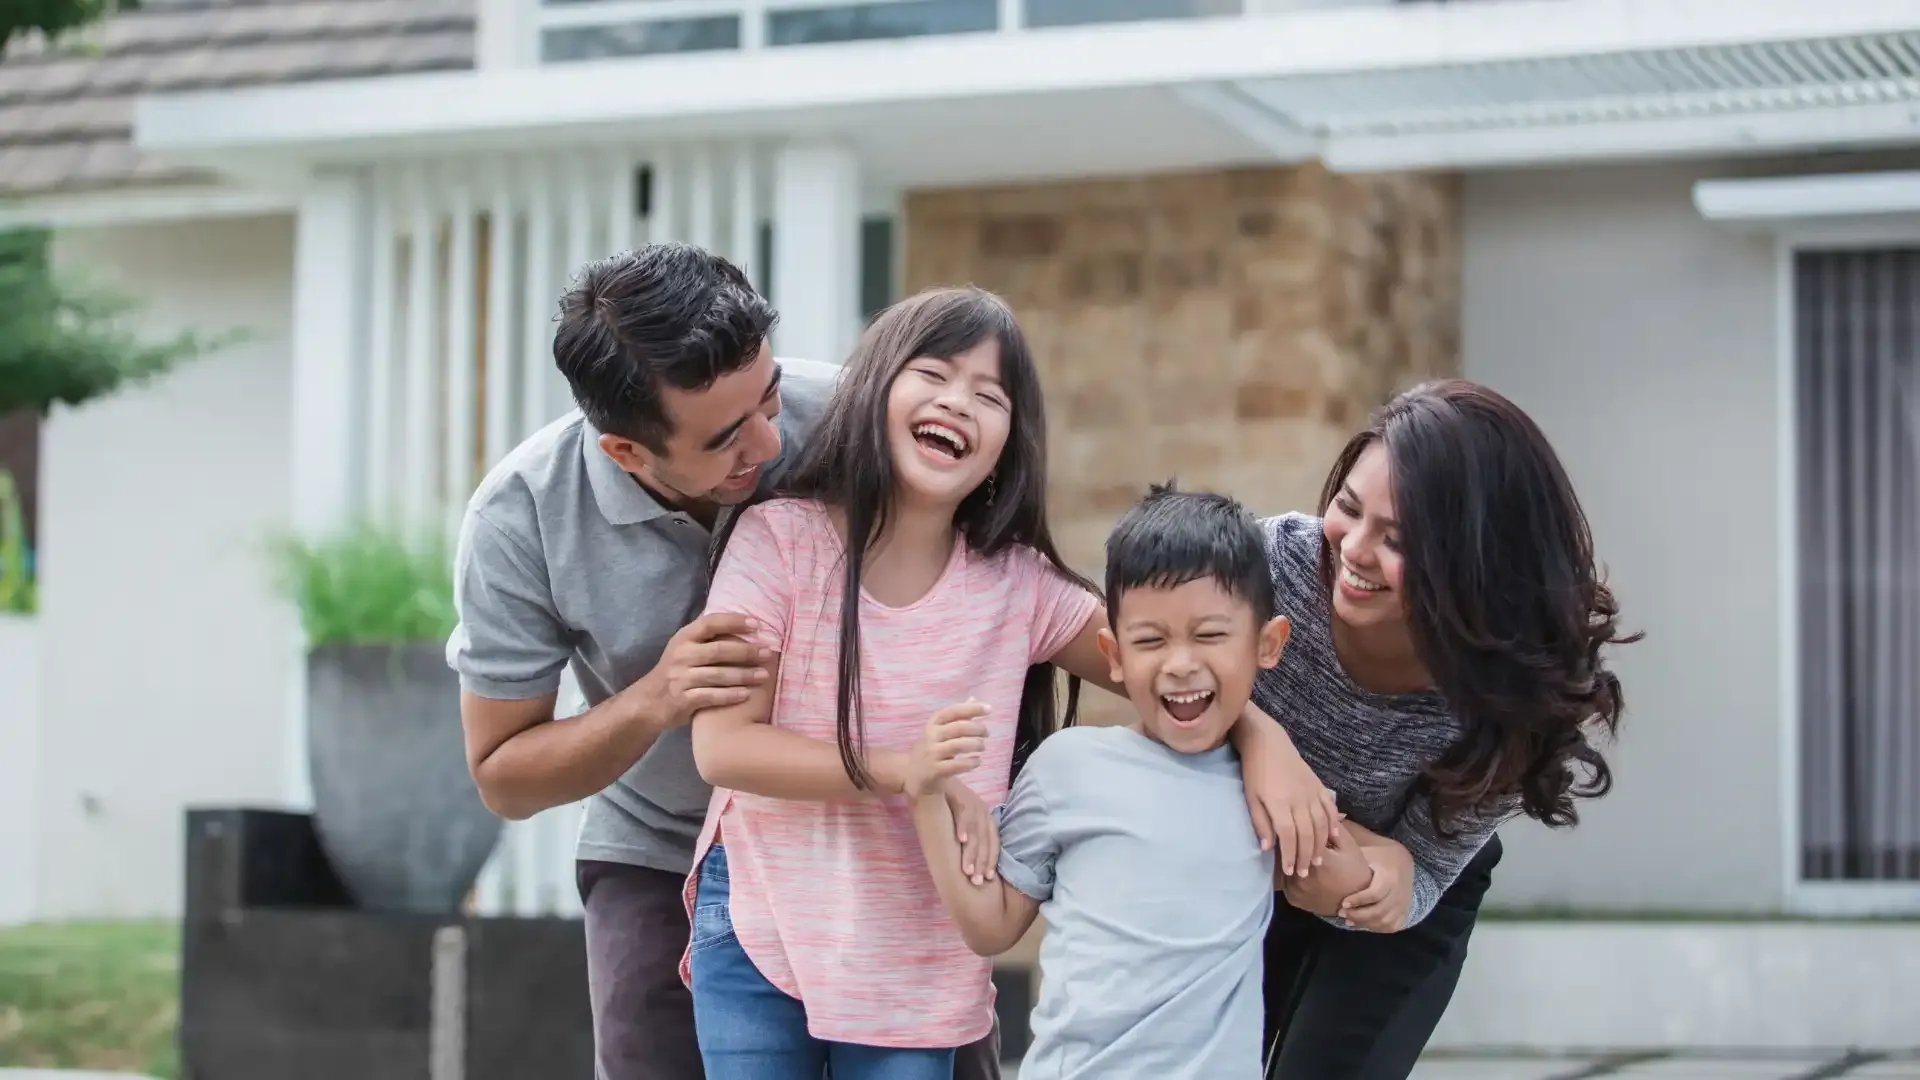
(166, 656)
(19, 765)
(1643, 342)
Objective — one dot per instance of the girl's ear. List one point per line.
(1273, 640)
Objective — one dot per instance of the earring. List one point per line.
(989, 489)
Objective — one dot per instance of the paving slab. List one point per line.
(1757, 1067)
(65, 1074)
(1905, 1068)
(1497, 1068)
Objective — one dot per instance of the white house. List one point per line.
(1685, 234)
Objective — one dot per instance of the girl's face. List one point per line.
(1365, 544)
(947, 421)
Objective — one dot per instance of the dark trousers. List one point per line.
(636, 921)
(1353, 1005)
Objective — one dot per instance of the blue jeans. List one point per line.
(749, 1029)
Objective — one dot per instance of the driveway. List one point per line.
(1809, 1066)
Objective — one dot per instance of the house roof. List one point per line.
(66, 114)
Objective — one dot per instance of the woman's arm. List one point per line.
(738, 748)
(1413, 865)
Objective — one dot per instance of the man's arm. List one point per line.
(992, 917)
(737, 747)
(524, 761)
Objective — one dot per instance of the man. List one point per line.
(588, 546)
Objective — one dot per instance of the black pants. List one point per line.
(1353, 1005)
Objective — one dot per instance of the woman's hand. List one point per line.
(1292, 810)
(973, 826)
(1382, 906)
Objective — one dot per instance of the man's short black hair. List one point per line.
(1172, 537)
(663, 315)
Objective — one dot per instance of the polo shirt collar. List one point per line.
(622, 499)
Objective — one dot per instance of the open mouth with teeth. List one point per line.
(1187, 706)
(941, 441)
(1355, 581)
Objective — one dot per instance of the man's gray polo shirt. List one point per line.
(565, 559)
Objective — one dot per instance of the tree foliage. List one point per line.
(65, 341)
(54, 18)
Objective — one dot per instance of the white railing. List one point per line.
(589, 29)
(469, 259)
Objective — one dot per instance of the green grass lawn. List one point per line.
(100, 996)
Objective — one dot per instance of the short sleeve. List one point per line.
(509, 643)
(1028, 841)
(755, 579)
(1061, 606)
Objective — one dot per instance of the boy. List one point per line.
(1134, 841)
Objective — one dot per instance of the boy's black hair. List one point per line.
(664, 315)
(1171, 537)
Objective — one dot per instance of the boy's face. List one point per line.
(1187, 656)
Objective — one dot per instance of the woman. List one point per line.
(1445, 674)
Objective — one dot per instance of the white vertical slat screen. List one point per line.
(470, 259)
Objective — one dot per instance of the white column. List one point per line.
(816, 250)
(330, 263)
(504, 37)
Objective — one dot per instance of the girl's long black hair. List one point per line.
(1507, 610)
(848, 464)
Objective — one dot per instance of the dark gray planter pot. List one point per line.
(393, 804)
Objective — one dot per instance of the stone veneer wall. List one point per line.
(1232, 328)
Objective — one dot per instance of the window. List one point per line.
(559, 44)
(1856, 382)
(1082, 12)
(863, 22)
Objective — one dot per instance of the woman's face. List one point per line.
(1366, 545)
(947, 421)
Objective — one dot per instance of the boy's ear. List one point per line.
(1110, 649)
(1273, 640)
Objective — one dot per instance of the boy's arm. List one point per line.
(993, 916)
(1343, 871)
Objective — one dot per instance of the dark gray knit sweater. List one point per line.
(1369, 748)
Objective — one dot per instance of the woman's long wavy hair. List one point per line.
(1505, 606)
(848, 464)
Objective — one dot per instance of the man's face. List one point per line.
(722, 437)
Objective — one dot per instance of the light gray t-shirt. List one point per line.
(564, 559)
(1156, 896)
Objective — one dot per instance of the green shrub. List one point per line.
(368, 585)
(17, 593)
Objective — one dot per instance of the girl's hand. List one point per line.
(973, 826)
(1382, 906)
(952, 744)
(1292, 810)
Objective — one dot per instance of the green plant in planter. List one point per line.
(368, 586)
(17, 594)
(394, 805)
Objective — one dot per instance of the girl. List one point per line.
(1445, 674)
(910, 571)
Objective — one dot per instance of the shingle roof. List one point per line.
(66, 115)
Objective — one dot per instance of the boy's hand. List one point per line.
(1382, 906)
(973, 826)
(952, 744)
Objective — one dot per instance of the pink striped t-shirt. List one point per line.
(832, 900)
